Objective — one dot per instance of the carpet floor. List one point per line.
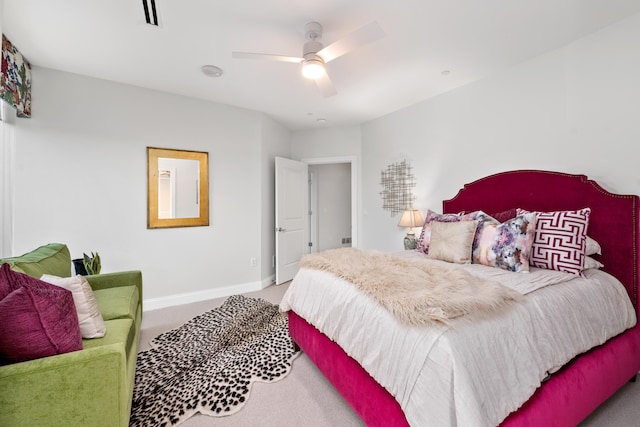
(306, 398)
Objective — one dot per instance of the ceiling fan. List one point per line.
(315, 55)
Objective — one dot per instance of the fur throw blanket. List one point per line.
(416, 292)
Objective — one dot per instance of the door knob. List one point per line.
(280, 230)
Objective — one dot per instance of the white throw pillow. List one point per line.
(452, 241)
(89, 316)
(593, 247)
(591, 263)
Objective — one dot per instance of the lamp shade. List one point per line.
(411, 218)
(313, 69)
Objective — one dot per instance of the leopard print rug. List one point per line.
(208, 364)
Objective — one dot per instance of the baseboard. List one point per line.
(268, 281)
(151, 304)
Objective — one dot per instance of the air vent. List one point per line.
(150, 12)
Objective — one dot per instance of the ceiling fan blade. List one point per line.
(325, 86)
(360, 37)
(269, 57)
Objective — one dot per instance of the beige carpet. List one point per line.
(305, 397)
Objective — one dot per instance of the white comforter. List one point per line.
(478, 370)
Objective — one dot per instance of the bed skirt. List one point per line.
(568, 397)
(375, 406)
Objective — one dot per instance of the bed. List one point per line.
(568, 394)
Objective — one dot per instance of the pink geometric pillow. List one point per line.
(560, 241)
(424, 240)
(37, 319)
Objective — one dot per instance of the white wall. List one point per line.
(328, 143)
(80, 176)
(80, 161)
(1, 14)
(574, 110)
(276, 142)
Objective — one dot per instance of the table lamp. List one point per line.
(410, 218)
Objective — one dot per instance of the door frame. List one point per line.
(353, 160)
(313, 212)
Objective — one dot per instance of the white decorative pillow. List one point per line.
(593, 247)
(561, 240)
(89, 316)
(422, 244)
(591, 263)
(452, 241)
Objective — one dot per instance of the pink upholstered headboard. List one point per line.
(613, 221)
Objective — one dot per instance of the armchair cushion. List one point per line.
(118, 303)
(99, 282)
(120, 331)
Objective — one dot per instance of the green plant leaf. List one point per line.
(92, 263)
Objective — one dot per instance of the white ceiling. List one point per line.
(109, 39)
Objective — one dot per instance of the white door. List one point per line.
(292, 217)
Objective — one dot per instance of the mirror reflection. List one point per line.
(177, 188)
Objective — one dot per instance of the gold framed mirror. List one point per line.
(177, 188)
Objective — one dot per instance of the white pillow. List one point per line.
(452, 241)
(593, 247)
(89, 316)
(591, 263)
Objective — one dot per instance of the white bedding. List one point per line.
(478, 370)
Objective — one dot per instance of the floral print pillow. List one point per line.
(506, 245)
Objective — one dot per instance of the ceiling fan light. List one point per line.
(313, 69)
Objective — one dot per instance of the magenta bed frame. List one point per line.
(572, 393)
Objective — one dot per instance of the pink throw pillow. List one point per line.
(37, 319)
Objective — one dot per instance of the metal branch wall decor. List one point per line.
(397, 182)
